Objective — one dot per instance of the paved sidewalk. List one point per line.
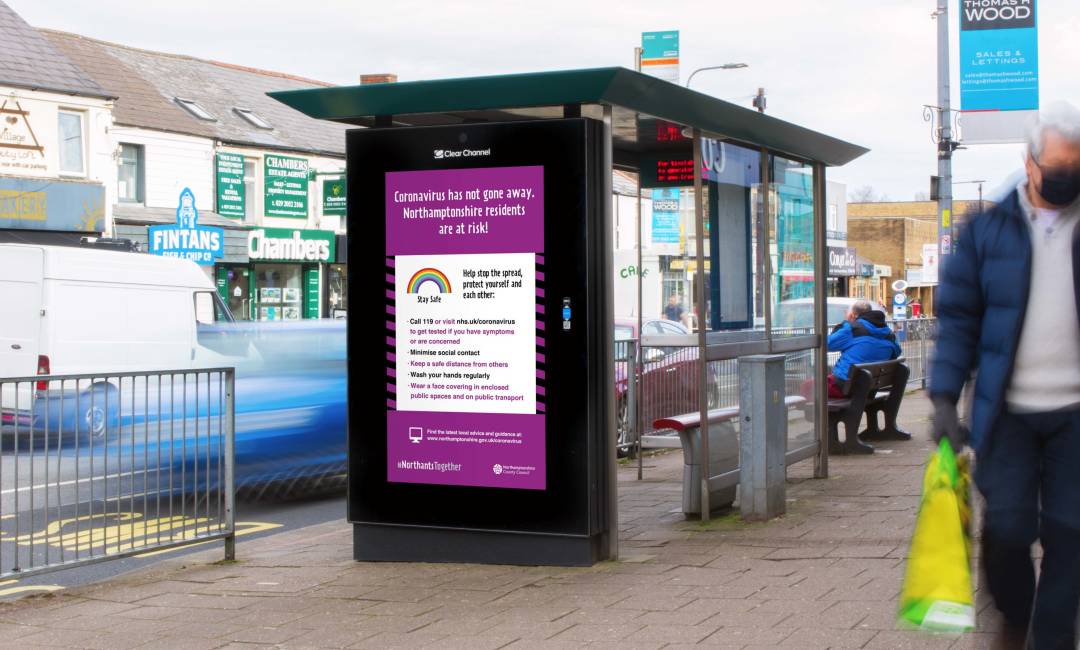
(827, 575)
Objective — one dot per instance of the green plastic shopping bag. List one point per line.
(937, 591)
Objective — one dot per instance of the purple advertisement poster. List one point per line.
(464, 254)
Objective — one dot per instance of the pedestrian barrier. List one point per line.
(95, 467)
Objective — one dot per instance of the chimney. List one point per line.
(384, 78)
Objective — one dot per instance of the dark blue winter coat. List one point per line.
(867, 341)
(981, 304)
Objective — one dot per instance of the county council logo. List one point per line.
(497, 469)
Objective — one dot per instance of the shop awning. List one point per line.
(538, 95)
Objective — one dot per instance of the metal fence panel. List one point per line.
(95, 467)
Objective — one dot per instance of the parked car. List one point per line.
(667, 383)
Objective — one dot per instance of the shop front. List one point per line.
(337, 282)
(842, 266)
(284, 278)
(54, 212)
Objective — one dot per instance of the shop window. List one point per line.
(130, 173)
(278, 292)
(72, 149)
(338, 291)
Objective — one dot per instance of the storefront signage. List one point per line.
(930, 263)
(882, 271)
(230, 185)
(21, 150)
(842, 261)
(999, 68)
(289, 245)
(187, 239)
(465, 245)
(286, 186)
(333, 196)
(311, 292)
(27, 204)
(666, 216)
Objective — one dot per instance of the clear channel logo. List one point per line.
(441, 154)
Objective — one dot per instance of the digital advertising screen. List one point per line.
(464, 246)
(480, 379)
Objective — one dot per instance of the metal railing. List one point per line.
(666, 380)
(95, 467)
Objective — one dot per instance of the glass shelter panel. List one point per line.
(791, 246)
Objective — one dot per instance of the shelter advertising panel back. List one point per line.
(479, 367)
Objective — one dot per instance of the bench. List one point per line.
(873, 389)
(723, 453)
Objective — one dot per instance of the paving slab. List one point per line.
(825, 575)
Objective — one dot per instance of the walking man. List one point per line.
(1008, 307)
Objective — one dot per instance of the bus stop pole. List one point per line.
(821, 352)
(703, 361)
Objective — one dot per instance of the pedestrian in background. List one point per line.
(1008, 307)
(674, 309)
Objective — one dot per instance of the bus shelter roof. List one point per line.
(638, 101)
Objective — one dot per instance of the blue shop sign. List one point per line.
(42, 204)
(187, 239)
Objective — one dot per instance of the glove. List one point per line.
(946, 424)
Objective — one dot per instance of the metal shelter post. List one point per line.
(703, 360)
(609, 308)
(764, 246)
(821, 353)
(633, 364)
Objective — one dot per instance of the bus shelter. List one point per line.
(706, 244)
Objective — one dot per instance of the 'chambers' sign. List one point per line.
(290, 245)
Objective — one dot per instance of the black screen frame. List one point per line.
(571, 503)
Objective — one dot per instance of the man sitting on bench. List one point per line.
(863, 337)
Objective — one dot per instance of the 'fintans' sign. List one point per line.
(187, 239)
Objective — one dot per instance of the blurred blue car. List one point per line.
(290, 410)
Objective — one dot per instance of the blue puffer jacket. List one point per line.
(981, 303)
(867, 341)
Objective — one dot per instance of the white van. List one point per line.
(67, 310)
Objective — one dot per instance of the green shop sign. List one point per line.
(286, 186)
(230, 185)
(311, 292)
(291, 245)
(333, 196)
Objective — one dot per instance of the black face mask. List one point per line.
(1060, 186)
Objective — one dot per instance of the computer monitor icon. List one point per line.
(416, 434)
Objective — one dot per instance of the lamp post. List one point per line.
(975, 182)
(725, 66)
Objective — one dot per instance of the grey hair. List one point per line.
(1060, 117)
(860, 307)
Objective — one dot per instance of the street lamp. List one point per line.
(726, 66)
(980, 184)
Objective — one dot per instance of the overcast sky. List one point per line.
(860, 70)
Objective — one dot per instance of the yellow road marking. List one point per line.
(251, 527)
(28, 588)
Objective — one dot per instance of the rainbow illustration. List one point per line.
(429, 275)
